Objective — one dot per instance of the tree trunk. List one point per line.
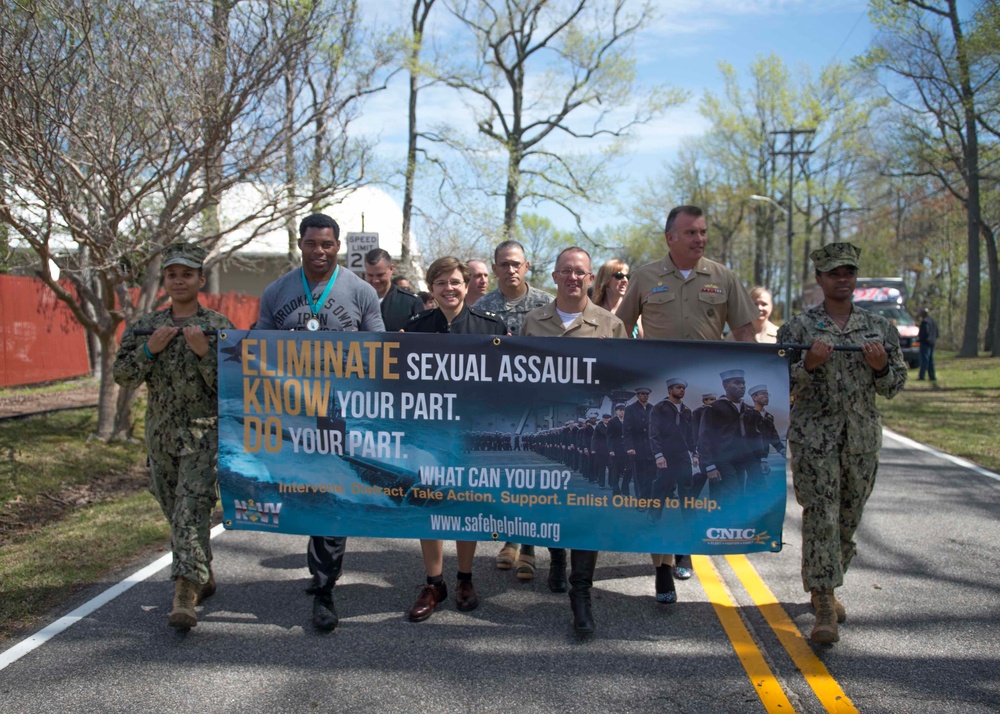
(970, 337)
(512, 197)
(990, 342)
(107, 403)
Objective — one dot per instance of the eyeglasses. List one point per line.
(619, 275)
(566, 272)
(447, 283)
(510, 265)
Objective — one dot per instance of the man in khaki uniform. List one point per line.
(686, 296)
(572, 314)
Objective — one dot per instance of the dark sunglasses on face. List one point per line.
(619, 275)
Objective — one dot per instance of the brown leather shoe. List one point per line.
(466, 598)
(430, 596)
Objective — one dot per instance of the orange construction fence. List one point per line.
(42, 341)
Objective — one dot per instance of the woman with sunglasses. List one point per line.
(610, 286)
(448, 279)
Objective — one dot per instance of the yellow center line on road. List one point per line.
(764, 682)
(829, 693)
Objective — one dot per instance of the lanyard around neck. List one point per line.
(326, 291)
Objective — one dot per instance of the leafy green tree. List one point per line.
(939, 76)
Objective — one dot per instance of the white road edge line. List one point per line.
(906, 441)
(39, 638)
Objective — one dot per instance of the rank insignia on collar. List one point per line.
(712, 288)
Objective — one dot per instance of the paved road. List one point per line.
(923, 633)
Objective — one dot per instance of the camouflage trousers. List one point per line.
(187, 490)
(832, 487)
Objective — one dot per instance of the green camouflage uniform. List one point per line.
(181, 432)
(513, 317)
(835, 433)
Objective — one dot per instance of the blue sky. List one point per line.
(681, 48)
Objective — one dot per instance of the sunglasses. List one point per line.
(619, 275)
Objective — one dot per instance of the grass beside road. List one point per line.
(958, 414)
(72, 510)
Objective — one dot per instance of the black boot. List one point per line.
(557, 570)
(581, 579)
(324, 616)
(583, 619)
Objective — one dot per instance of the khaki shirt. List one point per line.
(675, 308)
(594, 321)
(769, 336)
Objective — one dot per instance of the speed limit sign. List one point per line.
(357, 245)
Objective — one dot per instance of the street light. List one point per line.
(788, 268)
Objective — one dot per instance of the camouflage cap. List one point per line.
(180, 253)
(833, 255)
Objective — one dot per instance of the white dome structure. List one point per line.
(259, 260)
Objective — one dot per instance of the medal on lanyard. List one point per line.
(312, 324)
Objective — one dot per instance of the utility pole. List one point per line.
(791, 152)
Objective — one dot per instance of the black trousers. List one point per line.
(673, 481)
(643, 469)
(582, 564)
(728, 489)
(325, 556)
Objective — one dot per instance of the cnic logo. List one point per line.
(264, 514)
(729, 536)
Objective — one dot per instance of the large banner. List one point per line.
(465, 437)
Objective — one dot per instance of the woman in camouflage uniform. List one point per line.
(835, 431)
(178, 364)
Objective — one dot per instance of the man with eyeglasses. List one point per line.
(511, 301)
(572, 314)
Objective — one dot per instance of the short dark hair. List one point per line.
(376, 255)
(397, 279)
(507, 245)
(571, 249)
(319, 220)
(692, 211)
(448, 264)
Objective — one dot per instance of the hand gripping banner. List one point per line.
(465, 437)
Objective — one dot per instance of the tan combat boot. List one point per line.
(838, 607)
(183, 616)
(208, 589)
(825, 630)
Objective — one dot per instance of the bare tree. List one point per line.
(418, 21)
(110, 148)
(548, 78)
